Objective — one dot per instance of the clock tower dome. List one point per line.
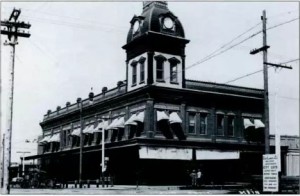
(155, 48)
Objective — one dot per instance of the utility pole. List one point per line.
(11, 28)
(81, 146)
(264, 49)
(23, 162)
(2, 161)
(266, 85)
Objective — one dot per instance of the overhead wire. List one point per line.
(283, 23)
(253, 35)
(255, 72)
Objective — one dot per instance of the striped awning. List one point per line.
(45, 140)
(120, 123)
(131, 120)
(76, 132)
(258, 124)
(112, 125)
(86, 130)
(140, 117)
(174, 118)
(248, 123)
(161, 115)
(55, 138)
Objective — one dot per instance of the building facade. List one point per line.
(158, 125)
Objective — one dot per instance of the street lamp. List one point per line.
(103, 165)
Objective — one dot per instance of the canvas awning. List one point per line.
(112, 125)
(258, 124)
(45, 139)
(88, 129)
(120, 123)
(101, 126)
(55, 138)
(174, 118)
(140, 117)
(161, 115)
(76, 132)
(248, 123)
(131, 120)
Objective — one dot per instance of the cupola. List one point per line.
(155, 48)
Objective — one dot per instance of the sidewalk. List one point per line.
(119, 189)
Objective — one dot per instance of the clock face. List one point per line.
(136, 26)
(168, 23)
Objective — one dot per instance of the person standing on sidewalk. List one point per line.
(194, 178)
(199, 174)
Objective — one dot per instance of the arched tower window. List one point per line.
(174, 69)
(142, 69)
(160, 67)
(134, 72)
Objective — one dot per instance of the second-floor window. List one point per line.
(142, 72)
(160, 67)
(230, 125)
(192, 123)
(203, 124)
(134, 73)
(220, 124)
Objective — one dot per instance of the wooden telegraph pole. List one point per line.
(11, 28)
(264, 49)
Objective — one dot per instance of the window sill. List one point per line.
(177, 83)
(160, 80)
(192, 134)
(142, 82)
(133, 85)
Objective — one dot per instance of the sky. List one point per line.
(76, 46)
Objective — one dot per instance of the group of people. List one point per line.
(196, 178)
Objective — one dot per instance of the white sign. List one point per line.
(165, 153)
(270, 173)
(216, 155)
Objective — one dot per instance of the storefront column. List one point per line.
(126, 128)
(149, 118)
(183, 117)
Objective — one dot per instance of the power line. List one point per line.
(252, 73)
(283, 23)
(290, 61)
(221, 52)
(223, 46)
(73, 18)
(72, 24)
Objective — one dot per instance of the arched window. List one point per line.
(174, 69)
(160, 68)
(142, 69)
(134, 72)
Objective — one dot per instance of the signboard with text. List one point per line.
(270, 173)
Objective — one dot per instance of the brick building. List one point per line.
(157, 123)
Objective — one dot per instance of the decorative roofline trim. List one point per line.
(220, 84)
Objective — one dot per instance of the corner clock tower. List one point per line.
(155, 48)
